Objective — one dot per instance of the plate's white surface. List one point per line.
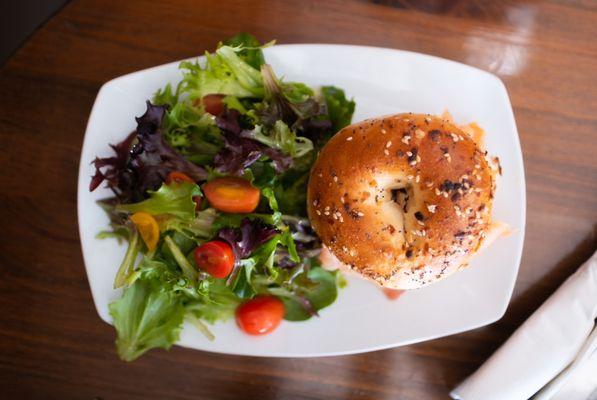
(382, 81)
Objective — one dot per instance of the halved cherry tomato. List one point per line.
(178, 177)
(232, 195)
(215, 257)
(148, 229)
(260, 315)
(212, 103)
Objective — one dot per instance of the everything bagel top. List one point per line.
(404, 200)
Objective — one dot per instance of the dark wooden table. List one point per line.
(52, 343)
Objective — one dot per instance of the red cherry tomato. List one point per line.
(178, 177)
(260, 315)
(213, 104)
(215, 257)
(232, 195)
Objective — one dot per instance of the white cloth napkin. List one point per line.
(581, 385)
(543, 346)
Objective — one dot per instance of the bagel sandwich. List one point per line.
(403, 200)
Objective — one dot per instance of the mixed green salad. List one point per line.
(209, 192)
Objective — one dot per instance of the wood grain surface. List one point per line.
(52, 343)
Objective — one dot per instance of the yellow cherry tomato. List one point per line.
(148, 229)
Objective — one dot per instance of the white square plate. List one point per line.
(382, 81)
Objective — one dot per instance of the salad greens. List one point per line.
(230, 116)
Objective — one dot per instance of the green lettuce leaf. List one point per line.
(242, 285)
(291, 188)
(145, 318)
(288, 102)
(251, 51)
(192, 132)
(216, 303)
(187, 269)
(166, 96)
(340, 109)
(225, 73)
(318, 286)
(200, 227)
(281, 137)
(127, 264)
(175, 199)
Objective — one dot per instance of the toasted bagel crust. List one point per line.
(404, 199)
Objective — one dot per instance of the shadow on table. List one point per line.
(528, 301)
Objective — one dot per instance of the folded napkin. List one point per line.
(579, 381)
(543, 346)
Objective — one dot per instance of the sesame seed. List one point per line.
(406, 120)
(420, 134)
(418, 158)
(458, 212)
(342, 200)
(431, 208)
(417, 178)
(360, 214)
(326, 213)
(421, 223)
(429, 184)
(386, 152)
(427, 119)
(477, 166)
(383, 131)
(408, 153)
(318, 212)
(410, 177)
(327, 208)
(335, 179)
(348, 139)
(406, 139)
(389, 144)
(437, 191)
